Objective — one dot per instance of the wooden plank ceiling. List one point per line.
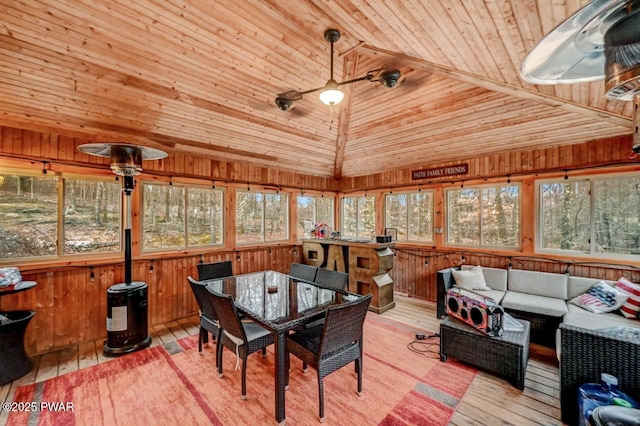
(201, 76)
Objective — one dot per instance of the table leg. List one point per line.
(280, 355)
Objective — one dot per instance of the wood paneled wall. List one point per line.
(570, 157)
(58, 149)
(71, 308)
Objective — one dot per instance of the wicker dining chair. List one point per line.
(331, 345)
(209, 271)
(208, 317)
(243, 337)
(304, 272)
(332, 279)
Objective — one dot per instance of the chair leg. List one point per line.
(287, 366)
(321, 398)
(244, 379)
(205, 335)
(359, 370)
(200, 339)
(304, 367)
(219, 350)
(264, 352)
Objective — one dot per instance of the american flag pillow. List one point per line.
(600, 298)
(631, 306)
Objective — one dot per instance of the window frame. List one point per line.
(186, 245)
(408, 193)
(342, 221)
(315, 210)
(60, 255)
(264, 193)
(480, 245)
(592, 219)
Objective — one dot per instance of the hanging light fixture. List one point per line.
(330, 93)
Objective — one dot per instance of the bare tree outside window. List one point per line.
(565, 215)
(484, 216)
(261, 217)
(163, 216)
(313, 210)
(358, 216)
(91, 216)
(28, 216)
(411, 214)
(205, 216)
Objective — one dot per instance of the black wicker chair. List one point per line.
(242, 337)
(209, 271)
(304, 272)
(332, 279)
(208, 318)
(332, 345)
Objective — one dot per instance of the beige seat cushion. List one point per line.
(534, 304)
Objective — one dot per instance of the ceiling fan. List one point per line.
(330, 93)
(601, 40)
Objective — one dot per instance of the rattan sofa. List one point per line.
(584, 346)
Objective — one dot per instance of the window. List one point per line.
(411, 214)
(178, 216)
(261, 217)
(595, 216)
(30, 209)
(28, 216)
(91, 216)
(358, 216)
(484, 215)
(313, 210)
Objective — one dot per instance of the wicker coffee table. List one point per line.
(505, 356)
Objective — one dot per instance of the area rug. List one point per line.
(173, 384)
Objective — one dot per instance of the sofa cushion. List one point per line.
(496, 295)
(495, 278)
(600, 298)
(579, 285)
(535, 304)
(579, 317)
(538, 283)
(470, 279)
(631, 306)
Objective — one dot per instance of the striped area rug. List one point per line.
(173, 384)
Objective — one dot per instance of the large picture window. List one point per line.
(33, 206)
(261, 217)
(177, 216)
(411, 214)
(358, 216)
(484, 216)
(598, 216)
(313, 210)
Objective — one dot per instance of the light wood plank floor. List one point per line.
(488, 401)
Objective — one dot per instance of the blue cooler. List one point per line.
(593, 395)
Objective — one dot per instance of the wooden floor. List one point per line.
(488, 401)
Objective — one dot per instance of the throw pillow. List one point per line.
(600, 298)
(470, 279)
(631, 306)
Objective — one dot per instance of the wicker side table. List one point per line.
(505, 356)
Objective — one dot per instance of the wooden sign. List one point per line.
(460, 169)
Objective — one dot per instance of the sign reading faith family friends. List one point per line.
(460, 169)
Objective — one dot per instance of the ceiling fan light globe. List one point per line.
(331, 96)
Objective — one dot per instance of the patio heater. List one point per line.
(127, 320)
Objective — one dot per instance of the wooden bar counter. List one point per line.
(367, 264)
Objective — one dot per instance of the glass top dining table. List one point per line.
(280, 303)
